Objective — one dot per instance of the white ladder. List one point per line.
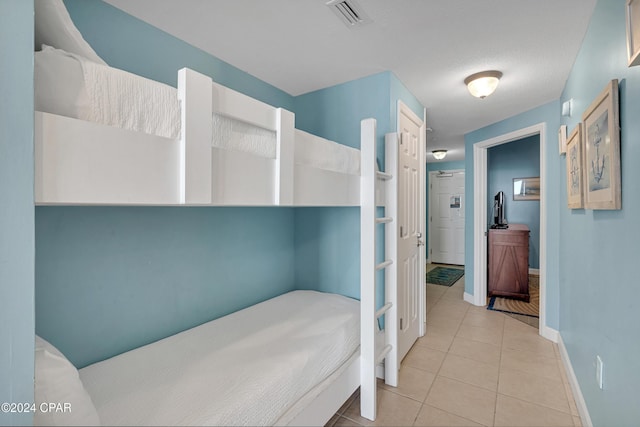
(377, 345)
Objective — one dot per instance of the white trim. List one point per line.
(581, 404)
(469, 298)
(549, 333)
(534, 271)
(480, 218)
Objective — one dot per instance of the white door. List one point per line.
(411, 168)
(446, 213)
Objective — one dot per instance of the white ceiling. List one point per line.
(431, 45)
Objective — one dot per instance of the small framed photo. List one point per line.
(526, 188)
(562, 139)
(575, 191)
(633, 32)
(601, 151)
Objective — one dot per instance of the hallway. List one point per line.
(474, 367)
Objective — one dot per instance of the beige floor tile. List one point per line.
(572, 402)
(470, 371)
(533, 389)
(531, 363)
(486, 319)
(424, 358)
(512, 412)
(345, 422)
(412, 383)
(577, 422)
(463, 400)
(444, 325)
(435, 340)
(475, 333)
(393, 410)
(534, 344)
(476, 350)
(332, 421)
(430, 416)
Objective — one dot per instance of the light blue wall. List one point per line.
(16, 208)
(599, 309)
(130, 44)
(328, 239)
(517, 159)
(549, 114)
(112, 278)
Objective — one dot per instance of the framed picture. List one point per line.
(633, 32)
(562, 139)
(526, 188)
(575, 192)
(601, 143)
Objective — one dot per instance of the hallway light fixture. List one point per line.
(439, 154)
(483, 84)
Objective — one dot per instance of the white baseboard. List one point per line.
(470, 298)
(549, 333)
(534, 271)
(575, 386)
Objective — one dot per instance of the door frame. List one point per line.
(403, 109)
(430, 222)
(480, 223)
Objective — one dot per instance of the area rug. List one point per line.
(444, 276)
(512, 306)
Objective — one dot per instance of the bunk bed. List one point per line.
(207, 145)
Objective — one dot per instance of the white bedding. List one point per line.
(69, 85)
(72, 86)
(247, 368)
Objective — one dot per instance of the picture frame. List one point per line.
(526, 188)
(562, 139)
(633, 32)
(601, 151)
(575, 175)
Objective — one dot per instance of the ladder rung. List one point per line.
(384, 264)
(383, 175)
(384, 220)
(383, 310)
(383, 353)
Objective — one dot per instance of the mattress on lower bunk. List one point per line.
(69, 85)
(247, 368)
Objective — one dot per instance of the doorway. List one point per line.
(446, 217)
(480, 219)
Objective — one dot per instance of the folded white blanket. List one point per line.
(128, 101)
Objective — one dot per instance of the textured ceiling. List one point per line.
(431, 45)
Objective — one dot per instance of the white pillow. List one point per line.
(59, 84)
(53, 27)
(57, 381)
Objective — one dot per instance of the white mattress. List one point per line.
(72, 86)
(69, 85)
(247, 368)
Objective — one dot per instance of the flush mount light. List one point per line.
(483, 84)
(439, 154)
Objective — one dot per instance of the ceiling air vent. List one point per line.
(349, 12)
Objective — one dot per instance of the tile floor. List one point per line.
(474, 367)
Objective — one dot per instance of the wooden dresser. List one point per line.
(509, 262)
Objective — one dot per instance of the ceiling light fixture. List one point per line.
(439, 154)
(483, 84)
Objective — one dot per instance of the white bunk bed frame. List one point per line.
(83, 163)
